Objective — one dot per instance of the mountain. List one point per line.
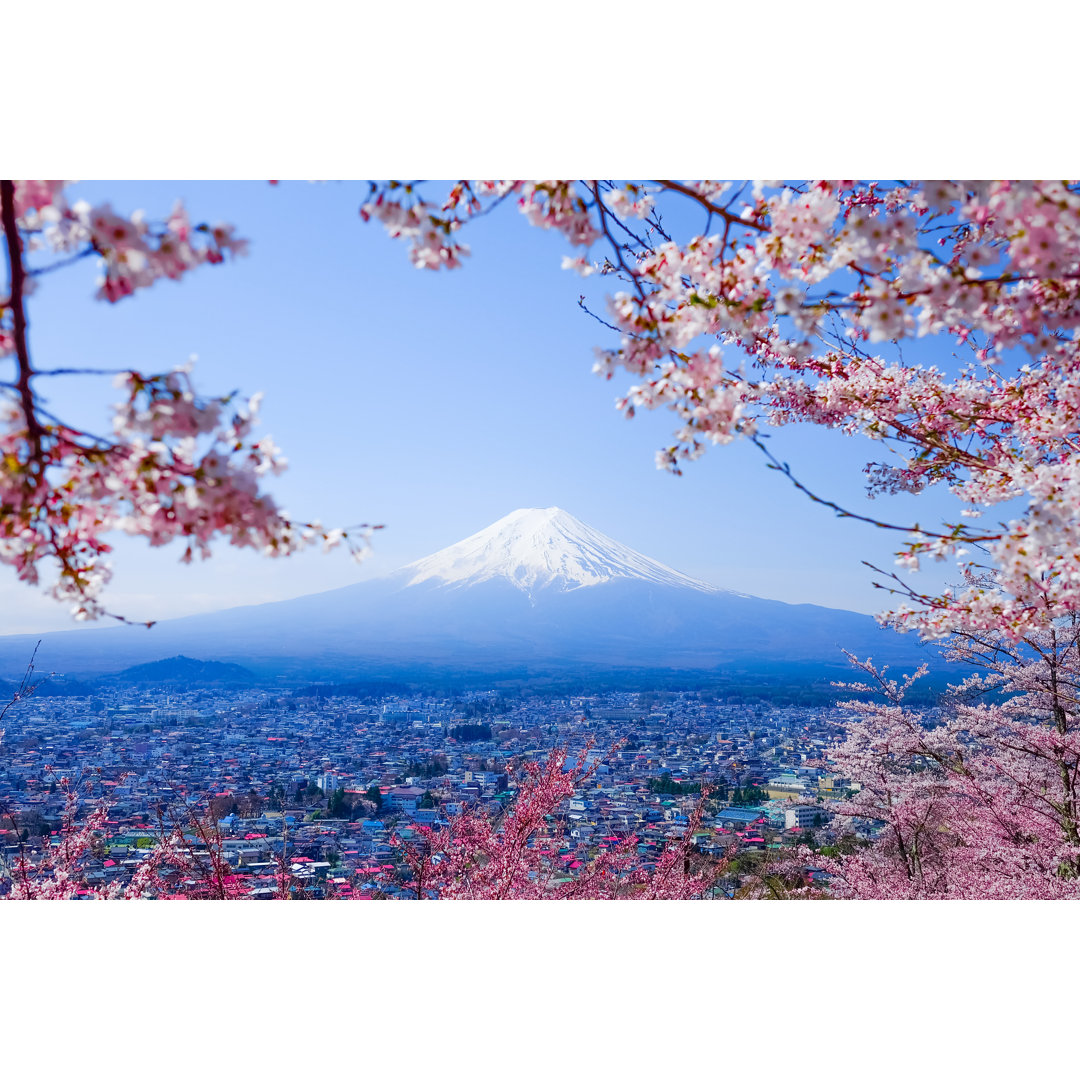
(536, 593)
(536, 550)
(185, 671)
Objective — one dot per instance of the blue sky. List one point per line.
(432, 403)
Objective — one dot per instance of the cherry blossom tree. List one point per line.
(182, 863)
(981, 800)
(175, 466)
(789, 304)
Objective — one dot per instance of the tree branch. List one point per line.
(727, 215)
(785, 469)
(17, 273)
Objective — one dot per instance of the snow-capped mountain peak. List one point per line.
(537, 549)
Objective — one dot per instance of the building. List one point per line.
(803, 817)
(404, 798)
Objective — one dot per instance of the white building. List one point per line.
(802, 817)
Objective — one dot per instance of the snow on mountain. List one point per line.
(537, 549)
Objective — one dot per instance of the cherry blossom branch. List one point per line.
(40, 372)
(176, 466)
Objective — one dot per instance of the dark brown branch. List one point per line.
(17, 273)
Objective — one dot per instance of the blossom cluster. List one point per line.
(133, 253)
(430, 228)
(177, 468)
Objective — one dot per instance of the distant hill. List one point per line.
(183, 670)
(180, 671)
(57, 686)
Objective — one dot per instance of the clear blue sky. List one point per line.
(432, 403)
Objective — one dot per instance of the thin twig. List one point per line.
(784, 469)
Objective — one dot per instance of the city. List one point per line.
(330, 786)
